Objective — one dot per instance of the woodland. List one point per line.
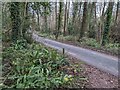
(29, 64)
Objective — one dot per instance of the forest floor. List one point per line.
(95, 77)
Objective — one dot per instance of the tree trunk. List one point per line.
(24, 26)
(91, 30)
(79, 13)
(103, 9)
(102, 20)
(56, 25)
(65, 16)
(59, 19)
(107, 24)
(97, 31)
(75, 10)
(117, 11)
(84, 21)
(15, 20)
(45, 18)
(38, 19)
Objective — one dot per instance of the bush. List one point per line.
(35, 66)
(111, 45)
(114, 47)
(90, 42)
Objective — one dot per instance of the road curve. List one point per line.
(102, 61)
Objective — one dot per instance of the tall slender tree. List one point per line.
(67, 21)
(117, 11)
(79, 14)
(15, 20)
(25, 20)
(107, 23)
(56, 20)
(91, 18)
(101, 24)
(59, 18)
(65, 17)
(45, 19)
(75, 10)
(84, 21)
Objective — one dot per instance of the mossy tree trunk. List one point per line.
(107, 24)
(25, 19)
(59, 18)
(15, 20)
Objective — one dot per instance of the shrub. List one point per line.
(114, 47)
(111, 45)
(90, 42)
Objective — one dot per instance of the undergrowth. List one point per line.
(35, 66)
